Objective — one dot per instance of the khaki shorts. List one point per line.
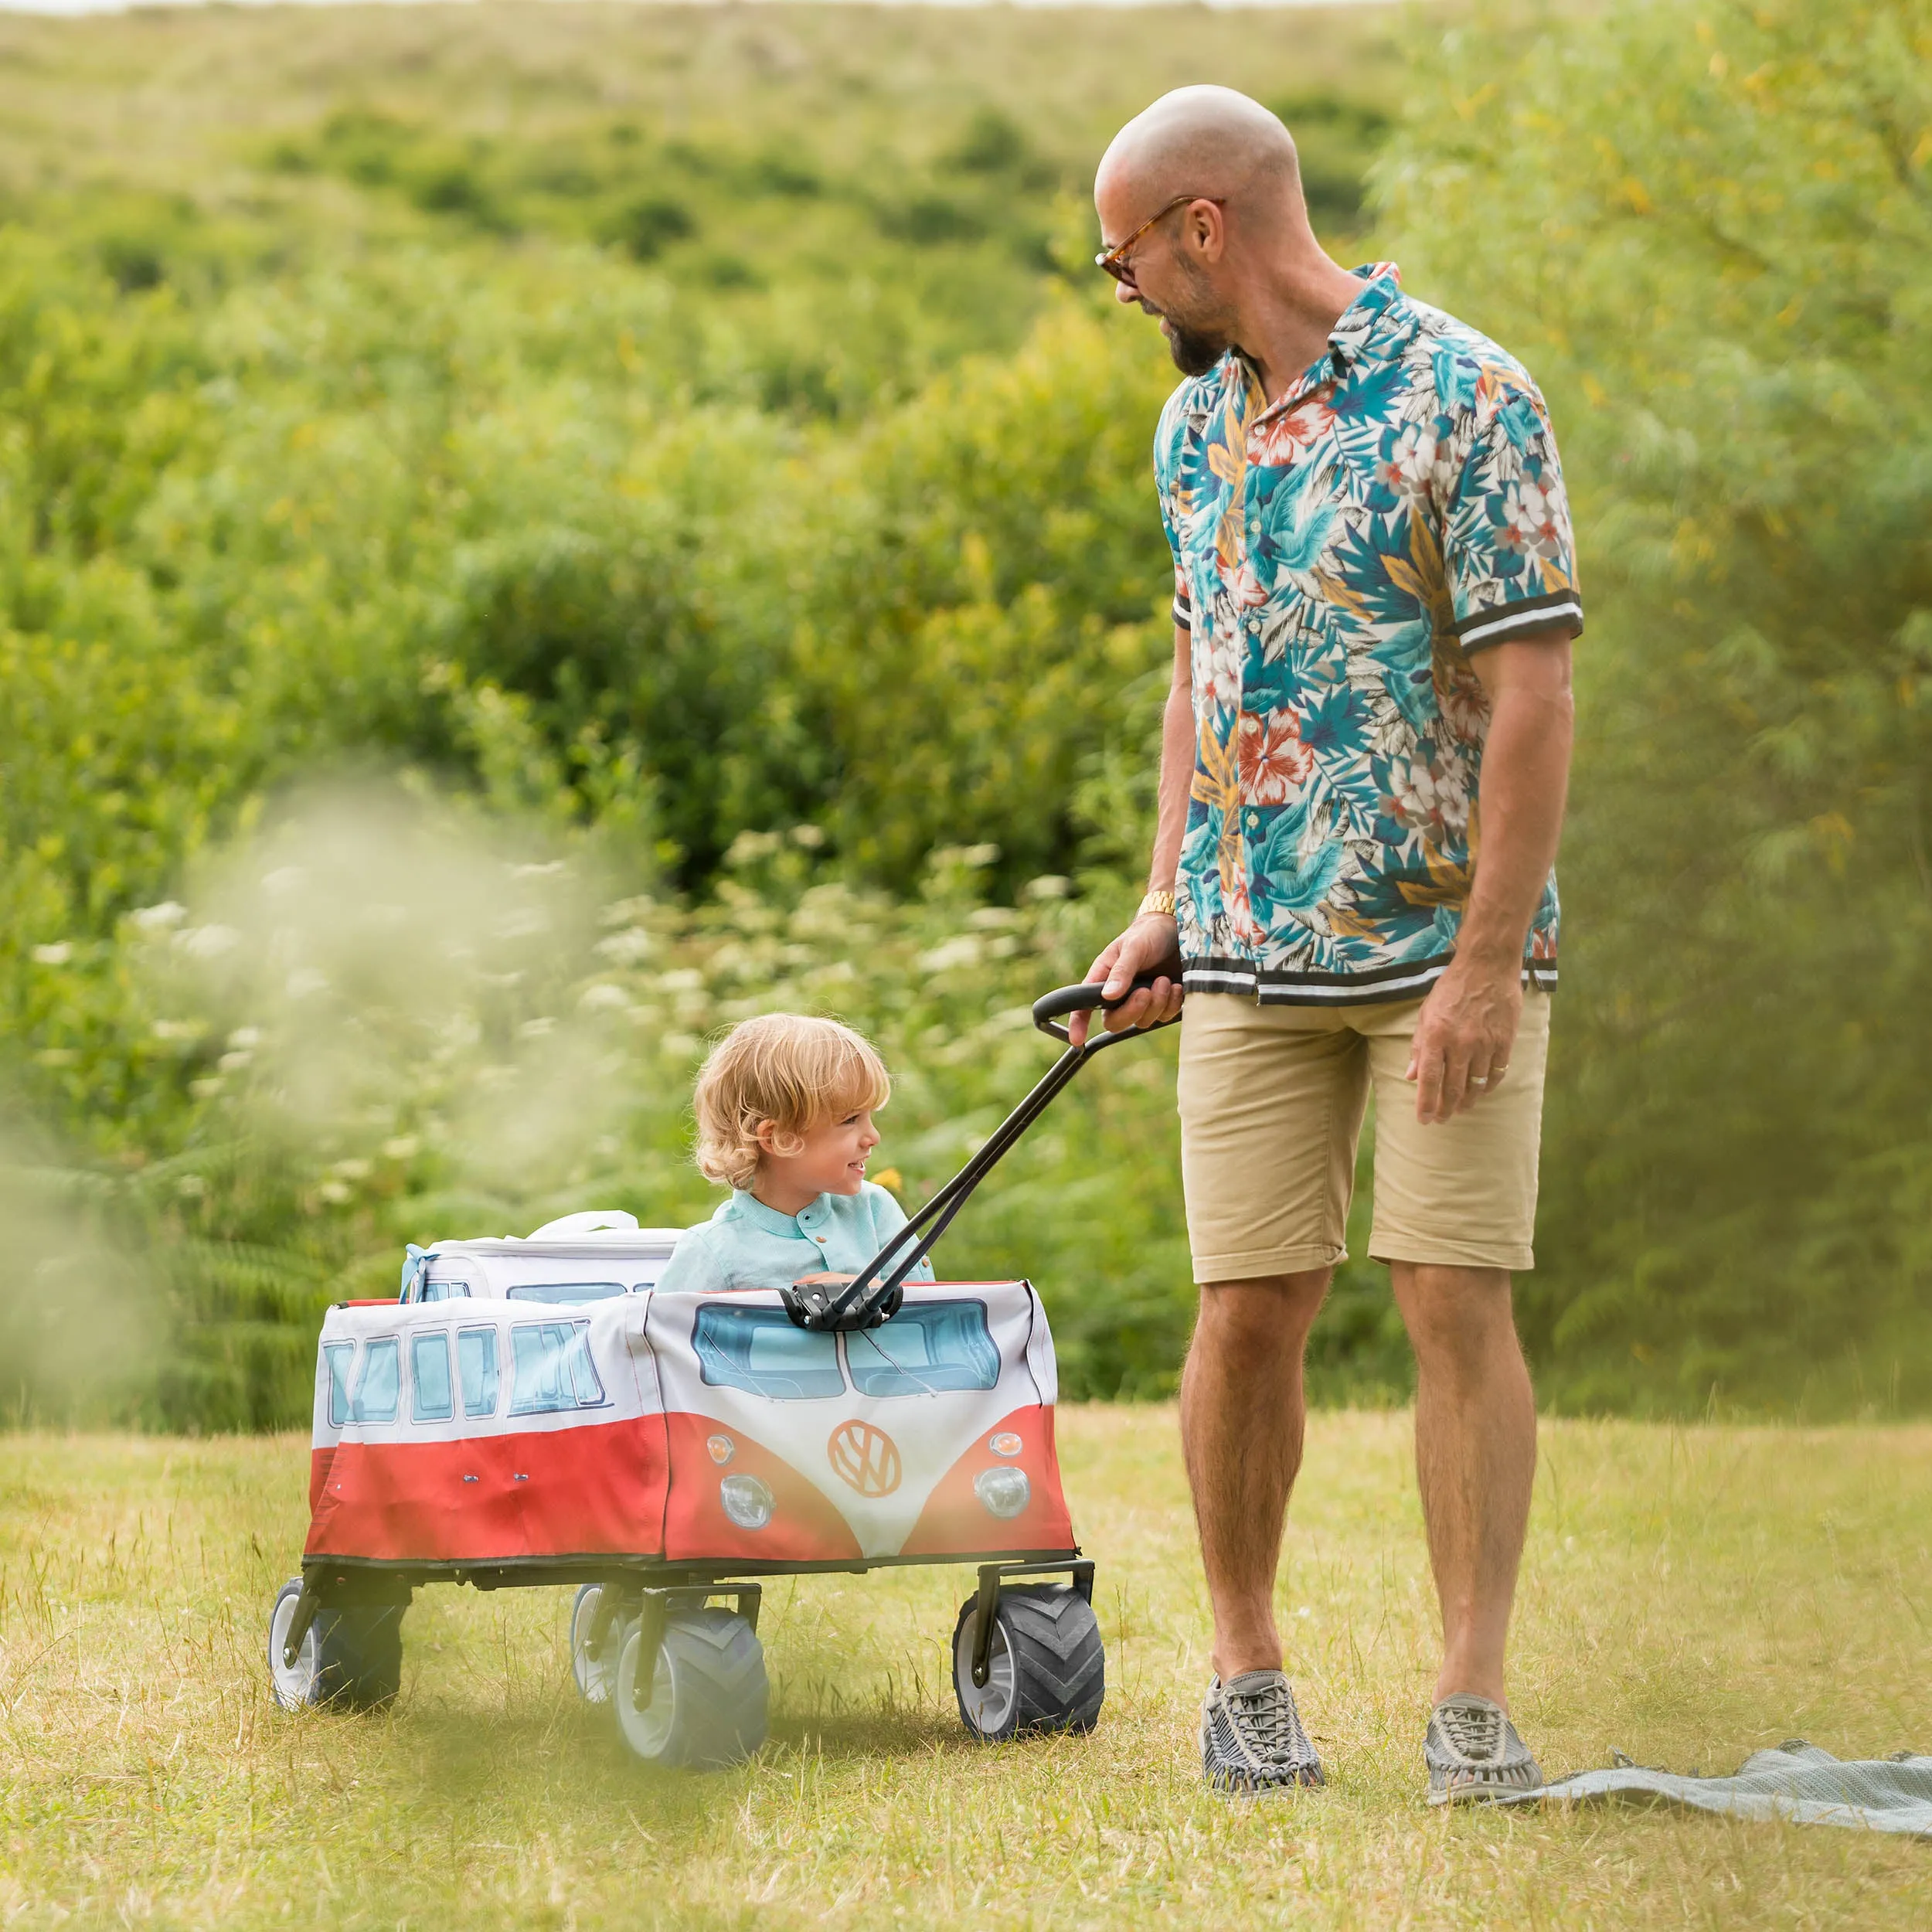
(1272, 1098)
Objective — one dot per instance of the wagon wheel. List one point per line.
(596, 1675)
(351, 1657)
(1048, 1667)
(710, 1694)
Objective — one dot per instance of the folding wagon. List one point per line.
(538, 1412)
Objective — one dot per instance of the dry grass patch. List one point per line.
(1689, 1596)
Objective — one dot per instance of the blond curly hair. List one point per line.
(787, 1068)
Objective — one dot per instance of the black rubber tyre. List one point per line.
(710, 1697)
(1049, 1664)
(362, 1655)
(352, 1657)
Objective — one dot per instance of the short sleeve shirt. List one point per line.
(1338, 557)
(748, 1244)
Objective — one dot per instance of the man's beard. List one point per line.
(1194, 353)
(1197, 346)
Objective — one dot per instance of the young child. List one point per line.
(784, 1106)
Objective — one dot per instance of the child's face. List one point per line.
(828, 1157)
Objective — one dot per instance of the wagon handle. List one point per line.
(1050, 1007)
(874, 1294)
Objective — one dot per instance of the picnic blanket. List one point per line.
(1797, 1782)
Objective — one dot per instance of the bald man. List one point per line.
(1375, 595)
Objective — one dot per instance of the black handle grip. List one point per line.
(1085, 999)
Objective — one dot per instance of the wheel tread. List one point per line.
(360, 1651)
(1059, 1658)
(723, 1696)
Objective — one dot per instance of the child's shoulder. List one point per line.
(703, 1237)
(705, 1233)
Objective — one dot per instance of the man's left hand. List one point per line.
(1463, 1038)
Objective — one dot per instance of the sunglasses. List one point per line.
(1114, 260)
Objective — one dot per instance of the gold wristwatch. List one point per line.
(1157, 902)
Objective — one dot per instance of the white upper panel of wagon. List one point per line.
(592, 1257)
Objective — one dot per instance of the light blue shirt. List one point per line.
(747, 1244)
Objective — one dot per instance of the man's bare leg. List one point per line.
(1242, 1417)
(1475, 1459)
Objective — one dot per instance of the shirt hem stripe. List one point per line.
(1271, 986)
(1532, 612)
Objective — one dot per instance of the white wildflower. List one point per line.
(207, 942)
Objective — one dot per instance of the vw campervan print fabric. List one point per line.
(685, 1428)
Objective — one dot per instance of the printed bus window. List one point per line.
(340, 1356)
(444, 1290)
(929, 1348)
(377, 1387)
(759, 1351)
(476, 1361)
(551, 1368)
(557, 1293)
(429, 1369)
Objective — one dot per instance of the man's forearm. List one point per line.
(1177, 771)
(1468, 1022)
(1526, 777)
(1149, 943)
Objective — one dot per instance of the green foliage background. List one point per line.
(526, 535)
(1707, 231)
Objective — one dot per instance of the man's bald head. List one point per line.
(1202, 211)
(1210, 142)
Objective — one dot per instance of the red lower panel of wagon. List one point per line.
(731, 1497)
(1003, 1494)
(596, 1489)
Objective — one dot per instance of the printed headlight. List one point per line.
(1004, 1492)
(747, 1500)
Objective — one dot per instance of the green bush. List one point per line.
(1712, 238)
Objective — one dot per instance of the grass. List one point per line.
(1689, 1596)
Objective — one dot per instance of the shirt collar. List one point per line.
(1369, 324)
(1372, 324)
(746, 1207)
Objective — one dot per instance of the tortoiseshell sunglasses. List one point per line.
(1114, 260)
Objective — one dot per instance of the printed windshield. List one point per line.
(928, 1348)
(759, 1351)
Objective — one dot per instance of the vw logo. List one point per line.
(865, 1457)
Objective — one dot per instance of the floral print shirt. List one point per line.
(1338, 557)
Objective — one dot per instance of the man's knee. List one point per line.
(1267, 1316)
(1455, 1316)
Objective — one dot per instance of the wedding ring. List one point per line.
(1478, 1080)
